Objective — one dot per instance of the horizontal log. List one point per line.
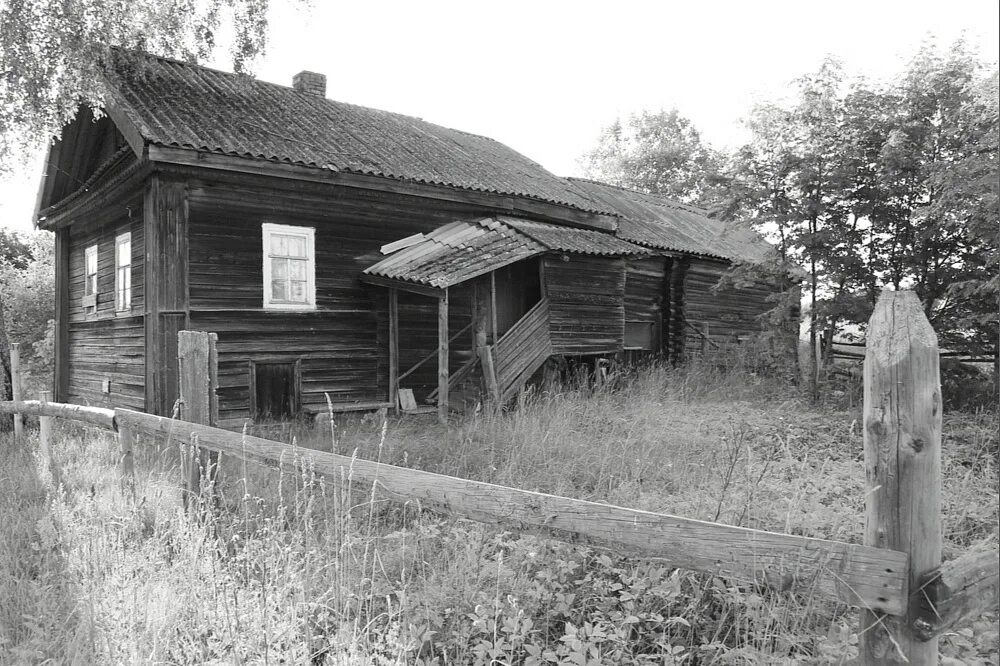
(856, 575)
(960, 590)
(98, 416)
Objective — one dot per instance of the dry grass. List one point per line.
(287, 569)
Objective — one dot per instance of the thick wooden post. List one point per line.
(704, 339)
(196, 360)
(394, 349)
(15, 386)
(45, 432)
(902, 435)
(482, 324)
(443, 358)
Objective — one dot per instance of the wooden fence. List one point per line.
(905, 595)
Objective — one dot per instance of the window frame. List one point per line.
(90, 287)
(268, 229)
(125, 236)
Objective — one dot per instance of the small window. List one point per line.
(275, 390)
(639, 335)
(289, 267)
(123, 272)
(90, 277)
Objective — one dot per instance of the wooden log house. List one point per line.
(345, 252)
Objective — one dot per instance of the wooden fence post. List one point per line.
(196, 358)
(44, 432)
(902, 438)
(15, 385)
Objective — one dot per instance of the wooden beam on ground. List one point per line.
(902, 435)
(443, 344)
(856, 575)
(394, 349)
(96, 416)
(962, 589)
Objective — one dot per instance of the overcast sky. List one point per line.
(545, 77)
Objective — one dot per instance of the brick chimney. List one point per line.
(310, 82)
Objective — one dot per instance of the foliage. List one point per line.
(26, 282)
(660, 153)
(51, 53)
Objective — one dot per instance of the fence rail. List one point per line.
(906, 596)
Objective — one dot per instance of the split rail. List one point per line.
(906, 597)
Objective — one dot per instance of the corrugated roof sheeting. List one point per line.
(579, 241)
(460, 251)
(177, 104)
(457, 252)
(654, 221)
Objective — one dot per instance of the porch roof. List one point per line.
(462, 250)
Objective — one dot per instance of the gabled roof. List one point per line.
(654, 221)
(460, 251)
(174, 104)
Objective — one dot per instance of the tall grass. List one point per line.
(287, 568)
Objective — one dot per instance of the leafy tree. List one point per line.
(51, 53)
(659, 153)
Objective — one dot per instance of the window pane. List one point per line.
(297, 270)
(296, 246)
(279, 291)
(279, 245)
(279, 269)
(125, 253)
(298, 289)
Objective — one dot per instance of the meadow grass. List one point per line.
(289, 568)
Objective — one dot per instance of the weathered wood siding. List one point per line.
(732, 313)
(586, 303)
(106, 355)
(343, 343)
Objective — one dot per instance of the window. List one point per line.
(275, 390)
(123, 272)
(289, 267)
(90, 277)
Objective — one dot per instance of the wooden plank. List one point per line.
(62, 315)
(96, 416)
(902, 438)
(857, 575)
(961, 590)
(195, 358)
(443, 341)
(394, 348)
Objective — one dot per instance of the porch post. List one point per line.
(394, 348)
(443, 358)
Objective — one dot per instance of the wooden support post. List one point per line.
(902, 435)
(704, 338)
(394, 349)
(45, 432)
(15, 386)
(443, 358)
(197, 362)
(483, 308)
(494, 334)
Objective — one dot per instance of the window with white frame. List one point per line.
(90, 277)
(289, 267)
(123, 272)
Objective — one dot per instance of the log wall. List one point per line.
(105, 354)
(586, 303)
(732, 313)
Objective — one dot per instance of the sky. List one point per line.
(545, 76)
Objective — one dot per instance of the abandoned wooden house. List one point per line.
(348, 252)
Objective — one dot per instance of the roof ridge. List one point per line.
(654, 195)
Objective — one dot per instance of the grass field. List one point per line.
(288, 570)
